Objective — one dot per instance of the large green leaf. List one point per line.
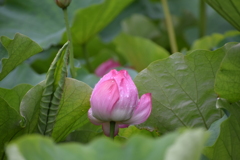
(35, 147)
(91, 20)
(19, 49)
(74, 104)
(42, 20)
(230, 10)
(227, 84)
(14, 96)
(226, 134)
(138, 51)
(211, 42)
(208, 42)
(182, 89)
(10, 125)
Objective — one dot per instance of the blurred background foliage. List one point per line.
(139, 21)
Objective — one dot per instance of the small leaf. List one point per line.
(227, 141)
(227, 83)
(19, 49)
(138, 51)
(208, 42)
(216, 40)
(126, 133)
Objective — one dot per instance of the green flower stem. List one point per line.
(112, 129)
(85, 53)
(202, 24)
(69, 36)
(170, 28)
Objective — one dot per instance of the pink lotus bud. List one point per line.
(105, 67)
(115, 98)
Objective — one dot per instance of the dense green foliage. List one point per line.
(195, 91)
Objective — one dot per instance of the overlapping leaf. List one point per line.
(225, 133)
(137, 148)
(182, 89)
(74, 104)
(19, 49)
(46, 107)
(227, 84)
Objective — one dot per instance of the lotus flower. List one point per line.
(115, 98)
(105, 67)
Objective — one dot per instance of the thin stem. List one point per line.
(202, 24)
(112, 129)
(85, 53)
(170, 28)
(69, 36)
